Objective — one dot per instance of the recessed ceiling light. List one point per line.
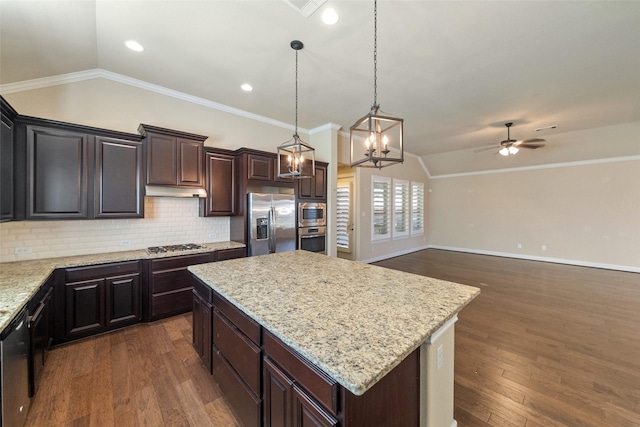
(246, 87)
(134, 45)
(330, 16)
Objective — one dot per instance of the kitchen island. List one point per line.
(375, 338)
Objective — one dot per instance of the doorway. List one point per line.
(344, 219)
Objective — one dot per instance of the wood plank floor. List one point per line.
(543, 345)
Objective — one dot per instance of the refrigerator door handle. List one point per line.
(272, 230)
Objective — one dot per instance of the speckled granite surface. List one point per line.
(19, 281)
(354, 321)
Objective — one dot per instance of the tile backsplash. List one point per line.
(167, 221)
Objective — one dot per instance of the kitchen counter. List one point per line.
(354, 321)
(19, 281)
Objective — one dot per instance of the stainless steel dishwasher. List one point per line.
(14, 348)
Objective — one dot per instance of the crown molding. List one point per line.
(119, 78)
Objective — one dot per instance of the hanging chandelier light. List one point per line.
(376, 140)
(296, 158)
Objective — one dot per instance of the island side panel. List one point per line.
(392, 401)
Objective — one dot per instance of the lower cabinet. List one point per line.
(202, 322)
(99, 298)
(41, 312)
(168, 287)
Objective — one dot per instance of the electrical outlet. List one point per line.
(22, 251)
(439, 356)
(544, 247)
(125, 242)
(519, 245)
(213, 236)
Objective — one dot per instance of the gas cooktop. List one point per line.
(174, 248)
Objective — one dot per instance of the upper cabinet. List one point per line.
(57, 173)
(219, 184)
(118, 178)
(314, 188)
(174, 158)
(6, 160)
(76, 172)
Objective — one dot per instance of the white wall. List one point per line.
(586, 213)
(411, 170)
(167, 221)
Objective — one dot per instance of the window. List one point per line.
(343, 202)
(417, 208)
(400, 208)
(381, 208)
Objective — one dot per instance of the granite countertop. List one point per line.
(19, 281)
(354, 321)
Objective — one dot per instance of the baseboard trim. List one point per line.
(539, 258)
(393, 255)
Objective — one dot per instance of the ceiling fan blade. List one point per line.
(532, 146)
(532, 140)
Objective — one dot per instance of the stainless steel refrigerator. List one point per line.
(272, 223)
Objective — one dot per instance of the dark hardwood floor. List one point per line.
(543, 345)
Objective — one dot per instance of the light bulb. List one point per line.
(504, 151)
(367, 143)
(301, 158)
(513, 150)
(385, 141)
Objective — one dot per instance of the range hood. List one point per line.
(166, 191)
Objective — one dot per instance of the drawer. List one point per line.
(170, 303)
(170, 280)
(239, 351)
(246, 405)
(247, 325)
(225, 254)
(80, 274)
(181, 261)
(318, 384)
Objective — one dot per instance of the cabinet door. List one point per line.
(84, 308)
(162, 166)
(307, 413)
(118, 179)
(220, 186)
(314, 188)
(190, 156)
(197, 338)
(123, 300)
(260, 167)
(57, 171)
(6, 169)
(278, 395)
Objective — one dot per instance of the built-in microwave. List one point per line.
(312, 214)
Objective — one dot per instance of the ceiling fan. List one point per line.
(512, 146)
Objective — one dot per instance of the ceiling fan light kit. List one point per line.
(375, 140)
(297, 156)
(512, 146)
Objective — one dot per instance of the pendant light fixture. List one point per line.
(296, 158)
(376, 140)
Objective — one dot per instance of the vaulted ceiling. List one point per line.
(456, 71)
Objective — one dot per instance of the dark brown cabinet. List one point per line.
(219, 184)
(307, 412)
(57, 173)
(78, 172)
(168, 286)
(174, 158)
(118, 178)
(41, 312)
(314, 188)
(99, 298)
(203, 322)
(6, 160)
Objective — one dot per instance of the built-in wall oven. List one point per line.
(312, 221)
(312, 239)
